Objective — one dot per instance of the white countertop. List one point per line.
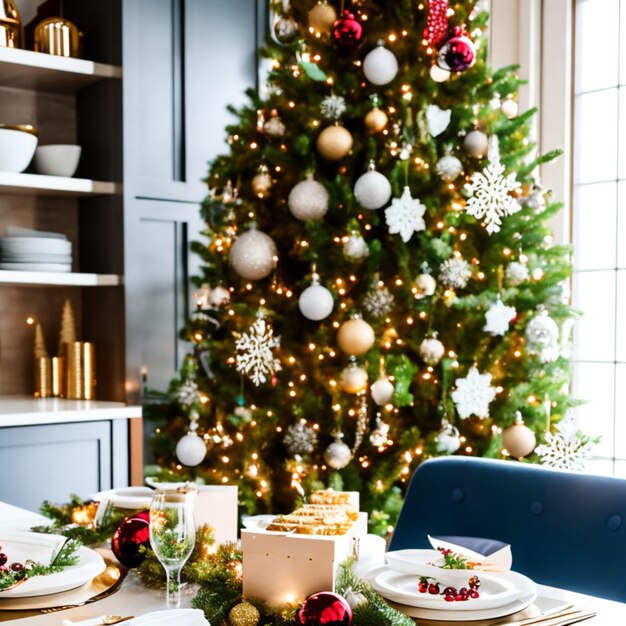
(29, 411)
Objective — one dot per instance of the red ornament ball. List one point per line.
(325, 609)
(132, 534)
(347, 31)
(458, 53)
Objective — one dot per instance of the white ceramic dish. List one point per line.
(17, 146)
(257, 522)
(36, 267)
(527, 596)
(126, 497)
(49, 245)
(90, 564)
(57, 159)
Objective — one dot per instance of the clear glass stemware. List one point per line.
(172, 537)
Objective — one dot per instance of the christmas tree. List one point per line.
(380, 285)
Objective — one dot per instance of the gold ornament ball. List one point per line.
(334, 143)
(353, 379)
(322, 17)
(261, 184)
(244, 614)
(355, 337)
(376, 120)
(518, 440)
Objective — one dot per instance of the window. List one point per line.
(599, 227)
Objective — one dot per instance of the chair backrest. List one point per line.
(566, 529)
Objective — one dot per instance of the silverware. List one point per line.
(556, 617)
(104, 620)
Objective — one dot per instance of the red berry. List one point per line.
(474, 582)
(460, 598)
(450, 591)
(17, 567)
(448, 597)
(3, 558)
(422, 588)
(433, 588)
(463, 591)
(474, 594)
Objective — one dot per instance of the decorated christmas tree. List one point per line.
(379, 283)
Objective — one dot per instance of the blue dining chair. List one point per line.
(566, 529)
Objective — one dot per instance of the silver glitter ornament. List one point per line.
(253, 254)
(300, 438)
(516, 273)
(355, 247)
(378, 301)
(338, 454)
(542, 335)
(448, 167)
(308, 200)
(455, 273)
(286, 28)
(476, 143)
(431, 350)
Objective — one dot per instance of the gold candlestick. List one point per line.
(89, 371)
(43, 377)
(58, 378)
(74, 371)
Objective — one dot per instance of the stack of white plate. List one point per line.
(501, 593)
(36, 253)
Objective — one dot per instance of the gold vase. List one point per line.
(11, 30)
(56, 35)
(43, 377)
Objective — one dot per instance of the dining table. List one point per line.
(132, 597)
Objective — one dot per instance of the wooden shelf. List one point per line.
(25, 69)
(27, 410)
(39, 185)
(69, 279)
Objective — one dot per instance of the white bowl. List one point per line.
(17, 146)
(57, 159)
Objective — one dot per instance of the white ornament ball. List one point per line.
(372, 190)
(316, 302)
(510, 108)
(476, 143)
(448, 439)
(516, 273)
(425, 285)
(252, 255)
(219, 297)
(380, 66)
(338, 454)
(448, 167)
(355, 247)
(353, 378)
(518, 440)
(191, 449)
(382, 391)
(308, 200)
(438, 74)
(355, 337)
(542, 331)
(431, 350)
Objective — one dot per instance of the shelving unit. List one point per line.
(66, 279)
(24, 69)
(39, 185)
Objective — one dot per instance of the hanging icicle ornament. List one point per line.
(379, 437)
(338, 454)
(518, 440)
(308, 200)
(542, 336)
(567, 448)
(362, 421)
(333, 107)
(498, 317)
(405, 216)
(316, 302)
(448, 439)
(516, 273)
(355, 247)
(380, 66)
(490, 191)
(372, 190)
(255, 357)
(191, 448)
(300, 438)
(431, 350)
(378, 301)
(455, 273)
(473, 394)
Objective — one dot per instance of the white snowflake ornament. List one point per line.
(333, 107)
(405, 216)
(300, 438)
(355, 247)
(455, 273)
(565, 449)
(516, 273)
(379, 301)
(473, 394)
(255, 358)
(188, 393)
(498, 317)
(490, 190)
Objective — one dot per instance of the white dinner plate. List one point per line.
(89, 564)
(37, 267)
(495, 590)
(527, 596)
(126, 497)
(50, 245)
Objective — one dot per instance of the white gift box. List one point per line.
(216, 505)
(284, 568)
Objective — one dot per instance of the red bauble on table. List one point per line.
(325, 609)
(347, 31)
(458, 53)
(132, 534)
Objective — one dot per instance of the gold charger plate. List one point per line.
(101, 586)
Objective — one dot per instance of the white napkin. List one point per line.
(14, 518)
(19, 547)
(493, 555)
(180, 617)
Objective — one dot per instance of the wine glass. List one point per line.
(172, 537)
